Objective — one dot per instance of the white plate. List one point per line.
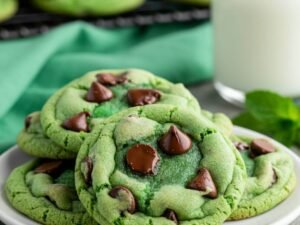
(283, 214)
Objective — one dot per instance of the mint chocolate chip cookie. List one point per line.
(194, 2)
(88, 8)
(7, 9)
(223, 123)
(271, 177)
(71, 113)
(34, 142)
(159, 165)
(44, 191)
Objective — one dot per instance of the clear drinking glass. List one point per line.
(257, 46)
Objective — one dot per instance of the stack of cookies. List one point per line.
(124, 147)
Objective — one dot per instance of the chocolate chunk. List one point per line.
(51, 167)
(204, 182)
(142, 158)
(140, 97)
(261, 147)
(98, 93)
(27, 121)
(171, 215)
(77, 123)
(110, 79)
(175, 142)
(119, 191)
(241, 146)
(87, 168)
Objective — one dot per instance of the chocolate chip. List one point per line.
(241, 146)
(77, 123)
(51, 167)
(142, 158)
(110, 79)
(140, 97)
(98, 93)
(119, 191)
(171, 215)
(261, 147)
(175, 142)
(204, 182)
(122, 78)
(87, 168)
(106, 79)
(27, 121)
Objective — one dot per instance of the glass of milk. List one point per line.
(257, 46)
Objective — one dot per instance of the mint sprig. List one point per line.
(272, 114)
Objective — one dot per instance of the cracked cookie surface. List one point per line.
(72, 112)
(44, 191)
(159, 165)
(271, 176)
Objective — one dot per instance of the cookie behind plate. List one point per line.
(7, 9)
(88, 8)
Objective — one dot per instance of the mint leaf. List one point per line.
(284, 131)
(273, 115)
(287, 137)
(247, 120)
(297, 138)
(266, 105)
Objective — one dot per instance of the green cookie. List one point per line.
(88, 7)
(7, 9)
(223, 123)
(45, 192)
(194, 2)
(271, 177)
(34, 142)
(72, 112)
(159, 165)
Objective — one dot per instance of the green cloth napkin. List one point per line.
(34, 68)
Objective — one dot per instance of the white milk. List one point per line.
(257, 44)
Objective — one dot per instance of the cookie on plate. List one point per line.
(7, 9)
(223, 123)
(44, 191)
(71, 112)
(34, 142)
(271, 177)
(88, 8)
(159, 165)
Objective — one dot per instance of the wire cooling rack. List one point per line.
(30, 21)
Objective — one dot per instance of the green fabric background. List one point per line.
(32, 69)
